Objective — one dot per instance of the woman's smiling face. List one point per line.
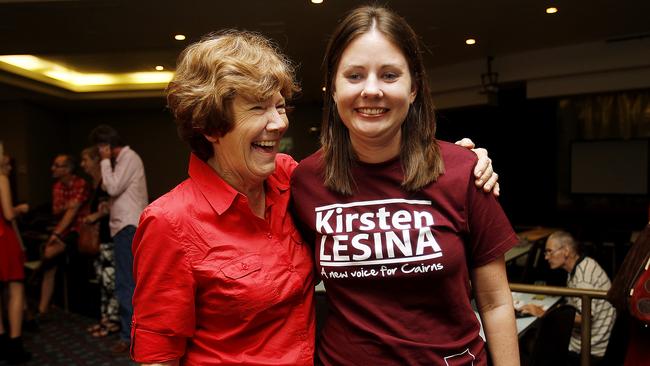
(247, 152)
(373, 90)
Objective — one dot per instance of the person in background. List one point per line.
(69, 193)
(636, 333)
(398, 226)
(222, 274)
(12, 273)
(105, 264)
(585, 273)
(127, 186)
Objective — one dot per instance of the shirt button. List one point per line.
(244, 266)
(268, 235)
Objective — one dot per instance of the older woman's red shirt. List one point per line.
(216, 284)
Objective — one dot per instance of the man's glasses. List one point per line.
(549, 252)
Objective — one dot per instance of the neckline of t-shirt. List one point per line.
(382, 164)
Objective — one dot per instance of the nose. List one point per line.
(277, 121)
(372, 88)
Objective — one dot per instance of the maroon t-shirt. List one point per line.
(396, 264)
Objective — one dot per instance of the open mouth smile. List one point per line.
(372, 111)
(266, 145)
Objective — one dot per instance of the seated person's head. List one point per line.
(63, 165)
(560, 247)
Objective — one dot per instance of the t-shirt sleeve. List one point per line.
(163, 301)
(490, 232)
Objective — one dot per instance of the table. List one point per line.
(519, 299)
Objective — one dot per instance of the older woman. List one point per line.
(398, 226)
(222, 275)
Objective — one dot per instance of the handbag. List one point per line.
(88, 242)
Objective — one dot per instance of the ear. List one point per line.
(211, 139)
(414, 92)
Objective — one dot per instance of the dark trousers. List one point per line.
(124, 284)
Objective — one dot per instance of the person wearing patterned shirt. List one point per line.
(585, 273)
(69, 193)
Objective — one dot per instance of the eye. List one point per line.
(390, 76)
(353, 76)
(282, 108)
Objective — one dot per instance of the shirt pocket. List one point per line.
(248, 284)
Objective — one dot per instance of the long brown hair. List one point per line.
(419, 152)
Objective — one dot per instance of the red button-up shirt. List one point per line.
(217, 285)
(74, 191)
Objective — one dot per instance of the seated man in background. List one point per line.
(585, 273)
(69, 193)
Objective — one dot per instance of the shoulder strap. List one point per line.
(640, 295)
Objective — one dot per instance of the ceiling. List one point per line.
(119, 36)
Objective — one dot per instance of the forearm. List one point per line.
(115, 181)
(5, 199)
(501, 334)
(497, 313)
(66, 220)
(95, 216)
(578, 320)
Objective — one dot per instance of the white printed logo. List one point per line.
(377, 235)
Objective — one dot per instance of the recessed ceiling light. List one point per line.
(324, 88)
(160, 68)
(551, 10)
(470, 41)
(179, 37)
(59, 75)
(316, 1)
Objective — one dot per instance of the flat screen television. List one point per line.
(609, 167)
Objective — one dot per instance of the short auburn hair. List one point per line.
(211, 72)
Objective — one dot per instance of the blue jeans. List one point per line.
(124, 284)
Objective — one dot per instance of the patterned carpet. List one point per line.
(63, 340)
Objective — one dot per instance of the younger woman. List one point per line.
(12, 274)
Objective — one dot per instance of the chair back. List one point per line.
(551, 345)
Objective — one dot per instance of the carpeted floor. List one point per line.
(63, 340)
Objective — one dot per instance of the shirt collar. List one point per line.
(120, 155)
(220, 194)
(216, 191)
(573, 271)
